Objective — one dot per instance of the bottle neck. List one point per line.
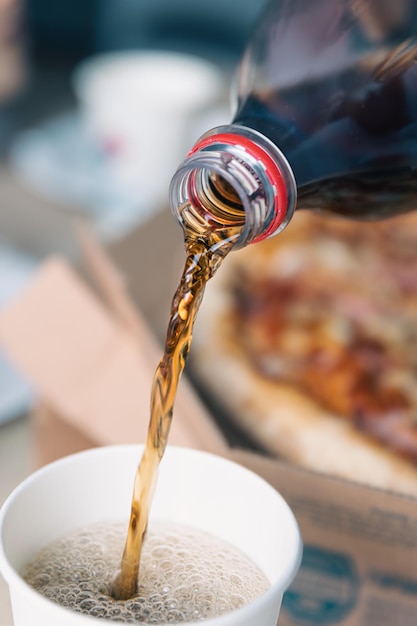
(236, 181)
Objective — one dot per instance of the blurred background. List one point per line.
(42, 43)
(59, 96)
(57, 36)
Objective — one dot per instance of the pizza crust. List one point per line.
(281, 418)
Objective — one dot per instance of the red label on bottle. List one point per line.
(270, 167)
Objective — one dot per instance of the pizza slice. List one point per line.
(309, 342)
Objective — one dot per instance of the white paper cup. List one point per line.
(142, 108)
(194, 488)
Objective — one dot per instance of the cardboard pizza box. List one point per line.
(91, 364)
(359, 565)
(91, 355)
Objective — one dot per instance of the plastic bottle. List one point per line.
(326, 118)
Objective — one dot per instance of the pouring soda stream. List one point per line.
(321, 122)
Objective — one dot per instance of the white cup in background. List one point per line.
(194, 488)
(143, 110)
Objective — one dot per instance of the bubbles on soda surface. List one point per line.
(186, 575)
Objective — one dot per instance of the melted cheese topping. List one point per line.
(331, 307)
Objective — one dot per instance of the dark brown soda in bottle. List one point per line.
(326, 118)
